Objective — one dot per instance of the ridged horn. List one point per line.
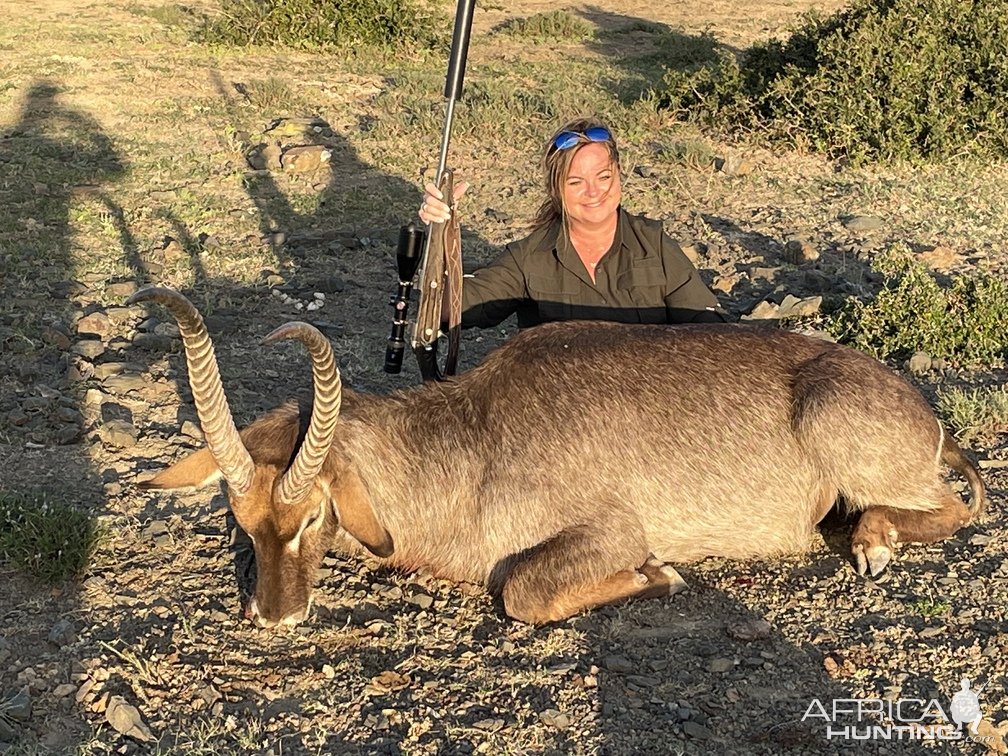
(300, 476)
(215, 418)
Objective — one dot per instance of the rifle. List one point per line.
(444, 275)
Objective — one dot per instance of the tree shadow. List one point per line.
(646, 50)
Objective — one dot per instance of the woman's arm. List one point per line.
(688, 299)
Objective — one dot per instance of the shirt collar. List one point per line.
(555, 238)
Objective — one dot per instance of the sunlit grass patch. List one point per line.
(549, 26)
(975, 415)
(48, 540)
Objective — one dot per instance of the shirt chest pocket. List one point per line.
(548, 288)
(647, 279)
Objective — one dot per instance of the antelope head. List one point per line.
(283, 487)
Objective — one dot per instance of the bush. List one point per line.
(312, 24)
(965, 323)
(975, 415)
(46, 540)
(882, 79)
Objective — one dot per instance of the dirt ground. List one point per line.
(131, 155)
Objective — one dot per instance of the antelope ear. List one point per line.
(192, 471)
(352, 505)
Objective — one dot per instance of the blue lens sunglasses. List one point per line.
(567, 139)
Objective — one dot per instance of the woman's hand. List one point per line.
(434, 209)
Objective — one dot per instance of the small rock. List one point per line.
(153, 342)
(305, 159)
(750, 630)
(123, 384)
(89, 349)
(422, 600)
(62, 633)
(121, 290)
(555, 719)
(861, 223)
(64, 690)
(919, 363)
(191, 430)
(793, 307)
(615, 663)
(96, 324)
(764, 311)
(798, 251)
(126, 720)
(733, 165)
(118, 433)
(697, 730)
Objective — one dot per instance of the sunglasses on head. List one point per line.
(567, 139)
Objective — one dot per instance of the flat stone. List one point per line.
(125, 719)
(88, 348)
(616, 663)
(152, 342)
(121, 290)
(721, 664)
(793, 307)
(555, 719)
(697, 731)
(96, 324)
(764, 311)
(863, 223)
(123, 384)
(118, 433)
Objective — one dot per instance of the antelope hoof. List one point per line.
(669, 575)
(872, 560)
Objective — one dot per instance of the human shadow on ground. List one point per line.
(54, 161)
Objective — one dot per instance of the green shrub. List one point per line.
(312, 24)
(965, 323)
(554, 25)
(976, 415)
(46, 540)
(881, 79)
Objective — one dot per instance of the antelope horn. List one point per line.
(215, 418)
(298, 479)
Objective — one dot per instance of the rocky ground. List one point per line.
(149, 652)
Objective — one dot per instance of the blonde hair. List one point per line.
(556, 167)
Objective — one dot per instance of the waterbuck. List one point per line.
(578, 460)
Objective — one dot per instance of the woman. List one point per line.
(586, 257)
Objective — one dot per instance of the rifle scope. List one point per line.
(411, 243)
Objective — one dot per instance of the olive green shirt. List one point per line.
(643, 278)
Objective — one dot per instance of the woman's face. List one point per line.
(592, 190)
